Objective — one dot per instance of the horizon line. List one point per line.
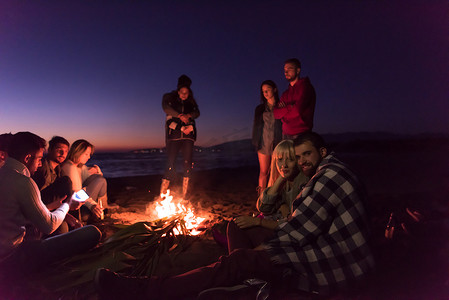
(204, 145)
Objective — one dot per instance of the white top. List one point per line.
(21, 204)
(78, 175)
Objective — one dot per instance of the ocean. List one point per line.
(126, 164)
(394, 166)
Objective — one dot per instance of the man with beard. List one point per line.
(58, 147)
(51, 184)
(297, 104)
(321, 248)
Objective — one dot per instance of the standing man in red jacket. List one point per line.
(297, 104)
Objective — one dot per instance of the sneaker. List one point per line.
(113, 286)
(262, 286)
(241, 291)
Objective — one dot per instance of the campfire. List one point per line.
(165, 209)
(168, 208)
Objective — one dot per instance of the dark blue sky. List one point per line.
(97, 69)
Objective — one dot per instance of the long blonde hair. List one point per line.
(78, 147)
(283, 149)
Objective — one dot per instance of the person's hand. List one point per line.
(285, 211)
(247, 221)
(278, 184)
(95, 170)
(185, 118)
(188, 130)
(281, 104)
(73, 204)
(97, 210)
(98, 170)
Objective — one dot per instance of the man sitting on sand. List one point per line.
(50, 182)
(48, 175)
(321, 248)
(20, 204)
(58, 147)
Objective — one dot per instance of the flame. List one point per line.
(167, 208)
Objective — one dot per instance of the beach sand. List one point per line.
(411, 266)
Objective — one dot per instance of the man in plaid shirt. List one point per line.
(321, 248)
(324, 242)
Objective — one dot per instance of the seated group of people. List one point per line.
(37, 223)
(312, 234)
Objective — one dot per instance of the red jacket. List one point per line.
(297, 115)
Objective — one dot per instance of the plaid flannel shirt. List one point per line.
(324, 243)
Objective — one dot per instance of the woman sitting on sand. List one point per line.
(89, 178)
(286, 182)
(267, 131)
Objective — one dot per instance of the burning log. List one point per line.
(168, 208)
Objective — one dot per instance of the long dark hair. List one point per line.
(275, 91)
(190, 99)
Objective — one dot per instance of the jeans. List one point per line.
(173, 147)
(96, 186)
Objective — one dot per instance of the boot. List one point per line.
(164, 185)
(185, 186)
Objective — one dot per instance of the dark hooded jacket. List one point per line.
(173, 107)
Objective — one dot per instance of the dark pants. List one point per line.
(229, 270)
(96, 186)
(173, 147)
(34, 256)
(246, 238)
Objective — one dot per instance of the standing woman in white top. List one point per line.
(89, 178)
